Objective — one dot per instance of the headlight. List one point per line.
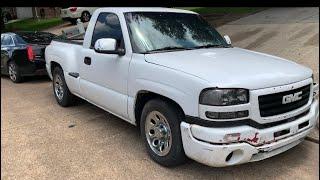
(224, 97)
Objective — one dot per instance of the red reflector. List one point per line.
(73, 9)
(30, 53)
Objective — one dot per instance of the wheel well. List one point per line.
(143, 97)
(53, 65)
(86, 12)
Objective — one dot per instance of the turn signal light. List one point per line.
(227, 115)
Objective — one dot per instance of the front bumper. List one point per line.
(236, 145)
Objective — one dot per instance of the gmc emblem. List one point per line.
(291, 97)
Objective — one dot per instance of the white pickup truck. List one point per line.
(191, 93)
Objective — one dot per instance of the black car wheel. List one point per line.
(6, 17)
(85, 17)
(14, 72)
(5, 20)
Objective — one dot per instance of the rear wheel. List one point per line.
(5, 19)
(61, 91)
(85, 17)
(160, 129)
(14, 72)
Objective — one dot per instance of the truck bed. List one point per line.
(76, 41)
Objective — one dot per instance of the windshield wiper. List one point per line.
(169, 48)
(211, 45)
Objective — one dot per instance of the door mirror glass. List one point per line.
(107, 46)
(227, 38)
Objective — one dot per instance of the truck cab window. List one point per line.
(107, 26)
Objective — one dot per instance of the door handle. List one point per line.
(87, 60)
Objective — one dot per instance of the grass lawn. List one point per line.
(32, 24)
(222, 10)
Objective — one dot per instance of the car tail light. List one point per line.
(73, 9)
(30, 53)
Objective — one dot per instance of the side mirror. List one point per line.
(108, 46)
(227, 38)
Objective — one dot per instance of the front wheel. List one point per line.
(160, 129)
(61, 91)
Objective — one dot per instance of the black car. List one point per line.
(22, 54)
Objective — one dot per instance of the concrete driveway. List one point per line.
(41, 140)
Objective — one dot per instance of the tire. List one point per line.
(14, 72)
(60, 89)
(168, 129)
(85, 16)
(5, 19)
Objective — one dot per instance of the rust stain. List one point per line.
(269, 142)
(254, 139)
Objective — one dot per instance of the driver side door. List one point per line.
(103, 77)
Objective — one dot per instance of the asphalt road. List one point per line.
(41, 140)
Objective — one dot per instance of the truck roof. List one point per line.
(145, 9)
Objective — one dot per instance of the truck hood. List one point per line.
(233, 67)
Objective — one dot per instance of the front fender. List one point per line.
(163, 89)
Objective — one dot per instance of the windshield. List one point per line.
(162, 31)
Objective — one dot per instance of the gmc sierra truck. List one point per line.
(190, 92)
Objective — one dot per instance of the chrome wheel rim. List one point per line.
(86, 17)
(12, 72)
(58, 87)
(158, 133)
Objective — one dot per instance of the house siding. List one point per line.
(24, 12)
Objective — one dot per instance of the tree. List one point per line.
(2, 23)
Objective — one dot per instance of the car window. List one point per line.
(19, 40)
(2, 39)
(107, 26)
(7, 40)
